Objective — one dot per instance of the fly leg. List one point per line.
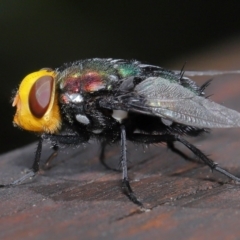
(144, 138)
(64, 139)
(33, 171)
(61, 139)
(52, 156)
(172, 147)
(127, 190)
(206, 160)
(102, 158)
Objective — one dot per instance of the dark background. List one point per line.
(37, 34)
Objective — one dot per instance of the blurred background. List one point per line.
(37, 34)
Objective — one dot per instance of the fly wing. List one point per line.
(169, 100)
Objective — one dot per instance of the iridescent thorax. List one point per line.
(88, 77)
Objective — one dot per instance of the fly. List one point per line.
(115, 101)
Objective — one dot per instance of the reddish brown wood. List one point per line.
(79, 199)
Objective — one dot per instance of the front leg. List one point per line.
(55, 139)
(52, 156)
(62, 139)
(32, 171)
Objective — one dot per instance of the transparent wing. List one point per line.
(172, 101)
(159, 97)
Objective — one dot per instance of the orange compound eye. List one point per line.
(40, 96)
(37, 103)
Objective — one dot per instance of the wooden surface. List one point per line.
(79, 199)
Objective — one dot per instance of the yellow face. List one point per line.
(37, 103)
